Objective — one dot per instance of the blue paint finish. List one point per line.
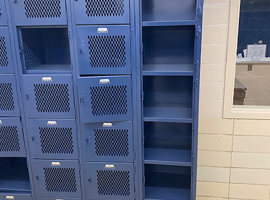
(56, 178)
(34, 12)
(101, 12)
(17, 196)
(49, 96)
(108, 142)
(109, 180)
(9, 99)
(104, 49)
(53, 139)
(3, 12)
(105, 98)
(6, 63)
(12, 139)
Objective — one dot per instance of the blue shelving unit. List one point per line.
(99, 99)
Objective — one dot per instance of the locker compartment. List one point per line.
(167, 182)
(11, 138)
(167, 143)
(168, 99)
(39, 12)
(109, 181)
(108, 142)
(168, 48)
(49, 96)
(105, 99)
(102, 12)
(56, 178)
(173, 10)
(3, 13)
(53, 139)
(14, 175)
(6, 61)
(104, 49)
(8, 96)
(15, 196)
(45, 50)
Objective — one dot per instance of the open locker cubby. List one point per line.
(45, 50)
(11, 138)
(167, 143)
(168, 98)
(168, 49)
(14, 175)
(172, 10)
(167, 182)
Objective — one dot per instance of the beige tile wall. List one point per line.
(234, 154)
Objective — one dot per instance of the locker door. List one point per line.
(8, 96)
(6, 63)
(12, 140)
(39, 12)
(105, 99)
(49, 96)
(53, 139)
(56, 178)
(3, 13)
(109, 142)
(15, 196)
(102, 12)
(104, 49)
(110, 181)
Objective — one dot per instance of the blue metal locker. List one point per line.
(3, 13)
(39, 12)
(102, 12)
(6, 61)
(105, 99)
(49, 96)
(8, 96)
(12, 139)
(58, 198)
(109, 181)
(56, 178)
(104, 49)
(53, 139)
(108, 142)
(15, 196)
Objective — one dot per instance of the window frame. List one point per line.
(229, 110)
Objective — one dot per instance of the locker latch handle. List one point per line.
(82, 100)
(37, 177)
(90, 180)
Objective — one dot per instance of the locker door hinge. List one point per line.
(199, 31)
(21, 49)
(196, 84)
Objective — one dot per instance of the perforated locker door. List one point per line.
(56, 178)
(15, 196)
(102, 12)
(109, 181)
(108, 142)
(8, 96)
(53, 139)
(49, 96)
(39, 12)
(105, 99)
(104, 49)
(6, 63)
(3, 13)
(11, 138)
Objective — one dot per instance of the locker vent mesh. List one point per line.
(3, 52)
(112, 142)
(9, 139)
(31, 61)
(52, 97)
(6, 97)
(107, 51)
(113, 183)
(109, 100)
(101, 8)
(56, 140)
(42, 8)
(60, 179)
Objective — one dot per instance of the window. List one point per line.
(247, 92)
